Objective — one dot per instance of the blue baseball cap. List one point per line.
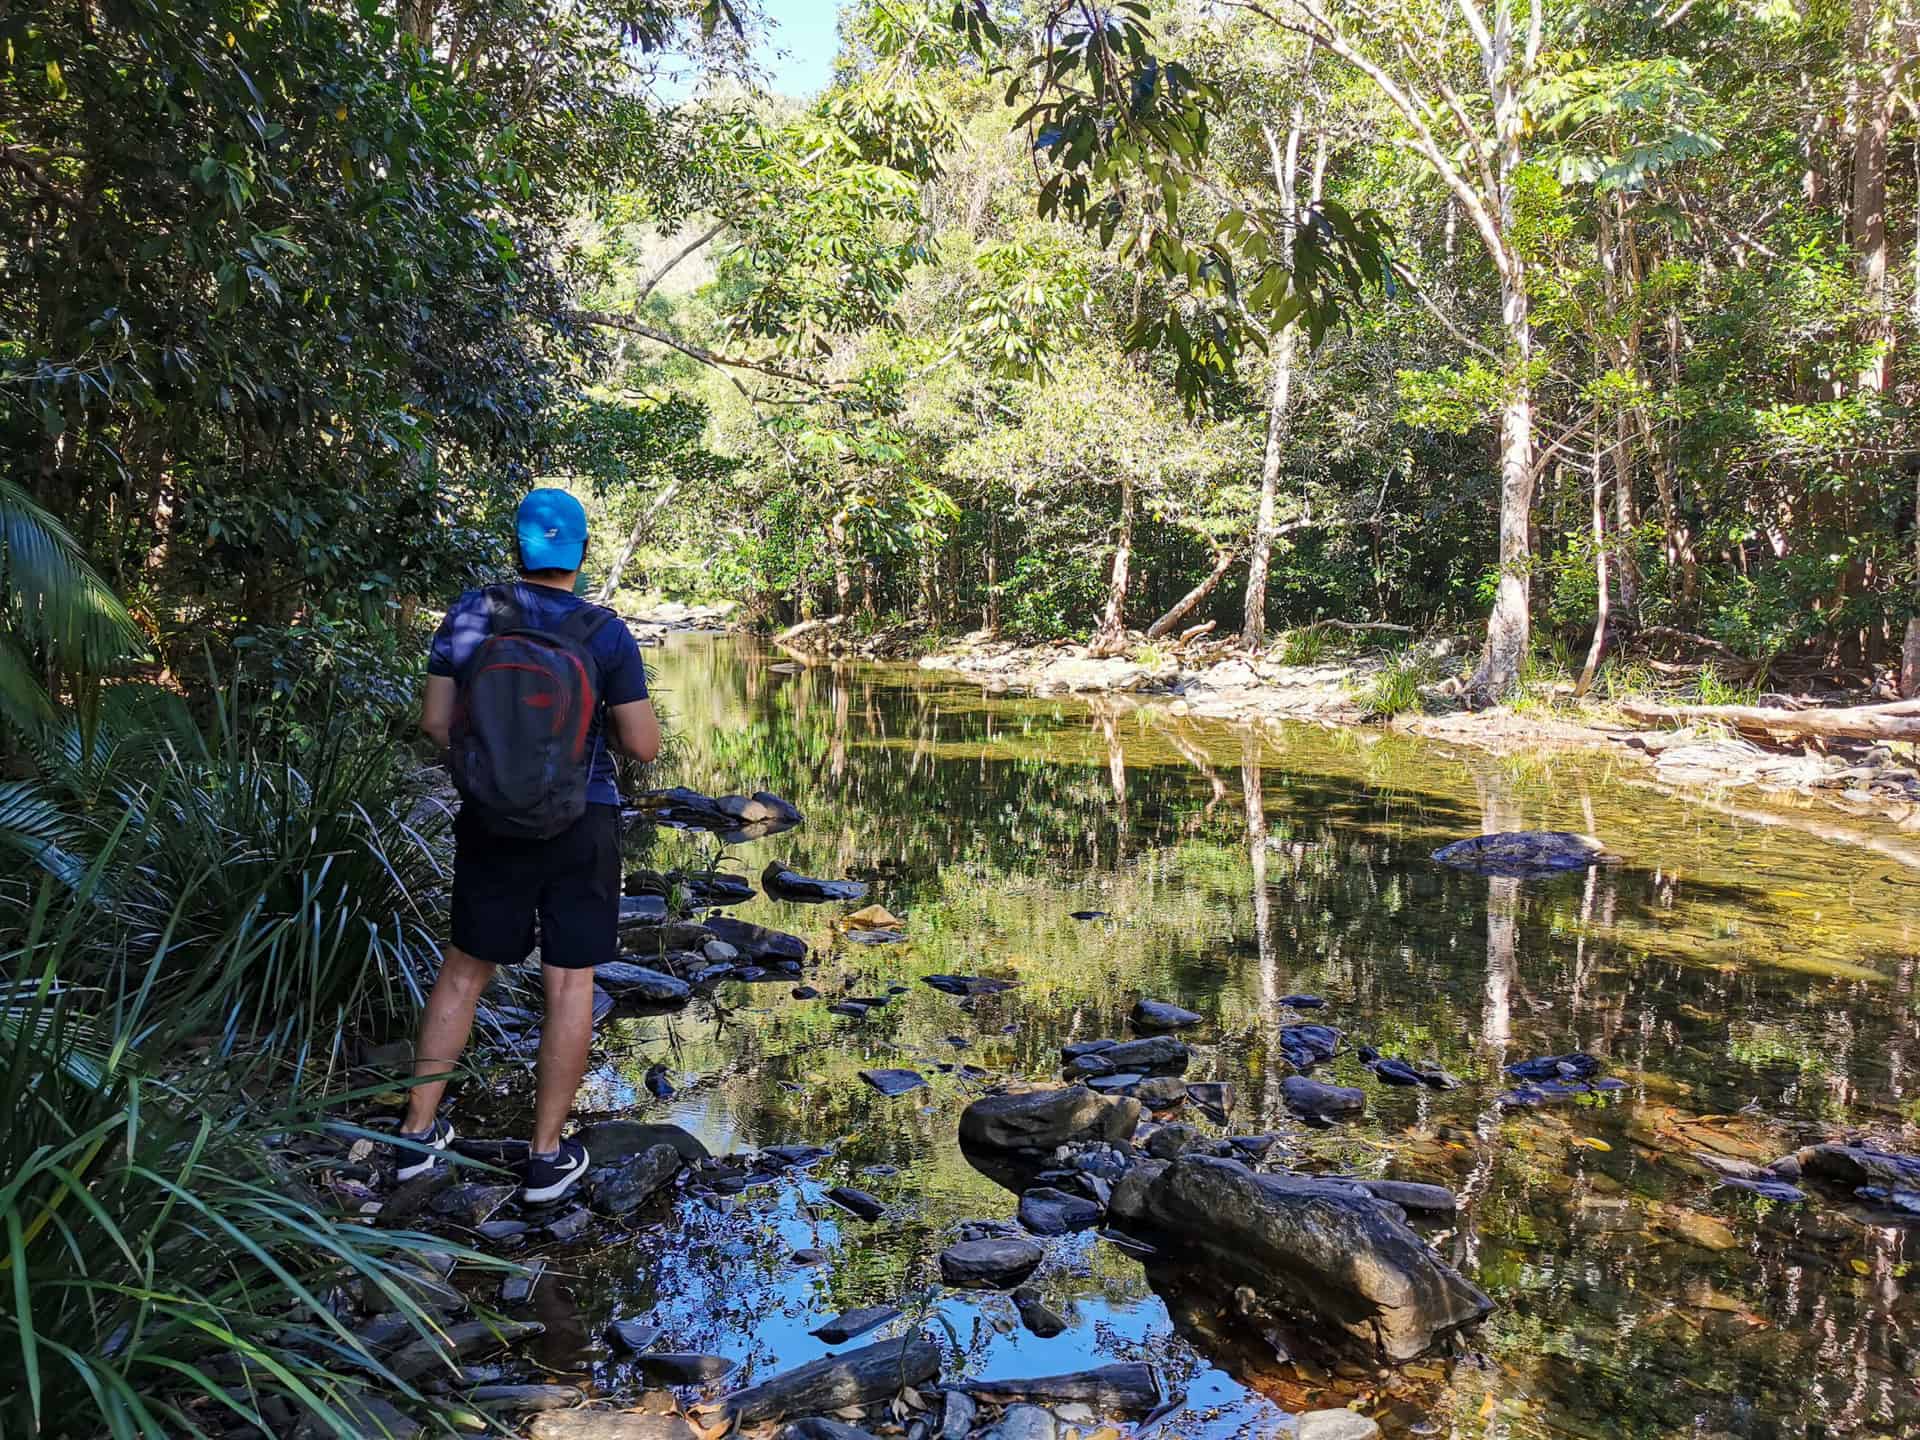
(553, 531)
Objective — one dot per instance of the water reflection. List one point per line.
(1752, 983)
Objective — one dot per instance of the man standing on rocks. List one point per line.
(527, 686)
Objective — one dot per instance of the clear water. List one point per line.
(1753, 984)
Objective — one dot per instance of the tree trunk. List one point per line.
(642, 524)
(1184, 605)
(1254, 628)
(993, 571)
(1602, 599)
(1510, 627)
(1899, 721)
(1876, 79)
(1113, 620)
(416, 22)
(842, 573)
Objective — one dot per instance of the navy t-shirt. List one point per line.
(623, 677)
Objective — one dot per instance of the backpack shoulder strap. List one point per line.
(583, 624)
(503, 609)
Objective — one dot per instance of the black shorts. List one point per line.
(571, 882)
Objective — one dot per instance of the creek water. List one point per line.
(1752, 984)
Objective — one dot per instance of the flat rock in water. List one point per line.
(610, 1141)
(857, 1202)
(1306, 1046)
(990, 1264)
(968, 984)
(609, 1425)
(1046, 1211)
(1213, 1096)
(680, 1367)
(849, 1323)
(756, 942)
(1150, 1055)
(628, 1185)
(857, 1377)
(1778, 1191)
(1129, 1387)
(1904, 1202)
(1323, 1251)
(637, 985)
(471, 1203)
(819, 1427)
(1045, 1119)
(1519, 854)
(894, 1082)
(1116, 1084)
(634, 1335)
(1310, 1097)
(1086, 1067)
(1159, 1015)
(1576, 1065)
(518, 1287)
(875, 937)
(1413, 1197)
(1854, 1165)
(641, 909)
(1160, 1093)
(570, 1226)
(1303, 1002)
(1078, 1048)
(780, 883)
(411, 1198)
(848, 1008)
(804, 992)
(1025, 1422)
(1086, 915)
(809, 1256)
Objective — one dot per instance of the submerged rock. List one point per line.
(1322, 1250)
(1854, 1165)
(1310, 1097)
(610, 1141)
(894, 1082)
(1039, 1318)
(634, 1335)
(1414, 1197)
(1129, 1387)
(635, 984)
(968, 984)
(680, 1367)
(1334, 1425)
(1306, 1046)
(1576, 1065)
(629, 1184)
(781, 883)
(1046, 1211)
(1041, 1120)
(1159, 1015)
(857, 1202)
(471, 1204)
(1521, 854)
(458, 1342)
(756, 942)
(849, 1323)
(1904, 1202)
(858, 1377)
(1303, 1002)
(989, 1264)
(608, 1425)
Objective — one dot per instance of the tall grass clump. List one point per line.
(167, 1268)
(1396, 689)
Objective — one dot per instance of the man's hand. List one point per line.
(436, 711)
(636, 729)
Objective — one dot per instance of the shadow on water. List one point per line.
(1753, 985)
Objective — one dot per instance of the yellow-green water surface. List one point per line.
(1752, 984)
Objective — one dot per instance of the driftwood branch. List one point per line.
(1898, 721)
(1183, 607)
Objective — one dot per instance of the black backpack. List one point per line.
(526, 701)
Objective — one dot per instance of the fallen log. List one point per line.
(1182, 607)
(1898, 721)
(1130, 1387)
(858, 1377)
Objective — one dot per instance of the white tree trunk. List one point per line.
(1254, 629)
(1113, 619)
(1510, 627)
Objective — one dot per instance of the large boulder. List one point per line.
(1043, 1119)
(1857, 1165)
(1315, 1249)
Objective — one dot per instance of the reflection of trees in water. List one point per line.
(988, 821)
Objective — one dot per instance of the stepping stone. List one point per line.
(1159, 1015)
(845, 1326)
(989, 1264)
(857, 1202)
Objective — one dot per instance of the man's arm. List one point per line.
(635, 728)
(436, 711)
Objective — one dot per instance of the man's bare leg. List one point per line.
(443, 1033)
(565, 1037)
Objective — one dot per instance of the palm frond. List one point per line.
(55, 599)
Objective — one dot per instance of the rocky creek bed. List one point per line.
(1600, 1153)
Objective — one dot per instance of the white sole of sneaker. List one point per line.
(419, 1164)
(546, 1194)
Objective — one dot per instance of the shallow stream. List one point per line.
(1754, 986)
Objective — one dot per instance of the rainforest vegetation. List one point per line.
(1581, 328)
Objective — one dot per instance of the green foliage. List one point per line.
(1395, 690)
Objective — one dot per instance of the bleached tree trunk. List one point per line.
(842, 572)
(1602, 587)
(642, 524)
(1286, 346)
(1113, 618)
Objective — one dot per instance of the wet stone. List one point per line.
(849, 1009)
(989, 1264)
(518, 1289)
(1161, 1092)
(1576, 1065)
(857, 1202)
(609, 1425)
(809, 1257)
(1303, 1002)
(846, 1325)
(1024, 1422)
(611, 1141)
(1119, 1084)
(1335, 1425)
(1043, 1119)
(1083, 1067)
(819, 1427)
(637, 985)
(1046, 1211)
(471, 1204)
(1522, 854)
(674, 1367)
(498, 1230)
(1085, 1047)
(634, 1335)
(1414, 1198)
(1171, 1140)
(968, 984)
(894, 1082)
(1160, 1015)
(956, 1412)
(410, 1200)
(458, 1342)
(631, 1183)
(524, 1399)
(1306, 1046)
(805, 992)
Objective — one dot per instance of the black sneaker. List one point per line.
(414, 1162)
(548, 1179)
